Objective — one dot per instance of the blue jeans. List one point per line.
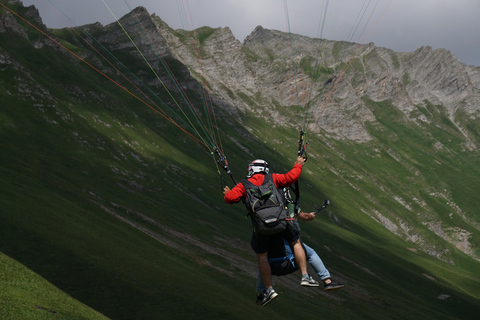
(312, 258)
(316, 263)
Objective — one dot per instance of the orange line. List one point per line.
(94, 68)
(104, 58)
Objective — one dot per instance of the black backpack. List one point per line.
(266, 206)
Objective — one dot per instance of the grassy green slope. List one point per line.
(118, 208)
(25, 295)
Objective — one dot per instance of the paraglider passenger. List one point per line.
(281, 260)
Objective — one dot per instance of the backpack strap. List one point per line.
(248, 184)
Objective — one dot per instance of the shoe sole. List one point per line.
(273, 296)
(309, 284)
(334, 288)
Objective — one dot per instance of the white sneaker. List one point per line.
(308, 281)
(269, 296)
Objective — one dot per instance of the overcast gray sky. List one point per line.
(405, 26)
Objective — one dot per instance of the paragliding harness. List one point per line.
(280, 257)
(265, 206)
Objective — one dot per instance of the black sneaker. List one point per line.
(259, 298)
(268, 297)
(308, 281)
(333, 286)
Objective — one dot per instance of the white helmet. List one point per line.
(257, 166)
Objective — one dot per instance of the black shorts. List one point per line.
(260, 242)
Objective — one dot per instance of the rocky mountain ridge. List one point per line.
(260, 69)
(408, 79)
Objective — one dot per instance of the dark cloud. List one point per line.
(405, 26)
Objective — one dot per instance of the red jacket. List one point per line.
(281, 180)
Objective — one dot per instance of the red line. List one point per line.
(94, 68)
